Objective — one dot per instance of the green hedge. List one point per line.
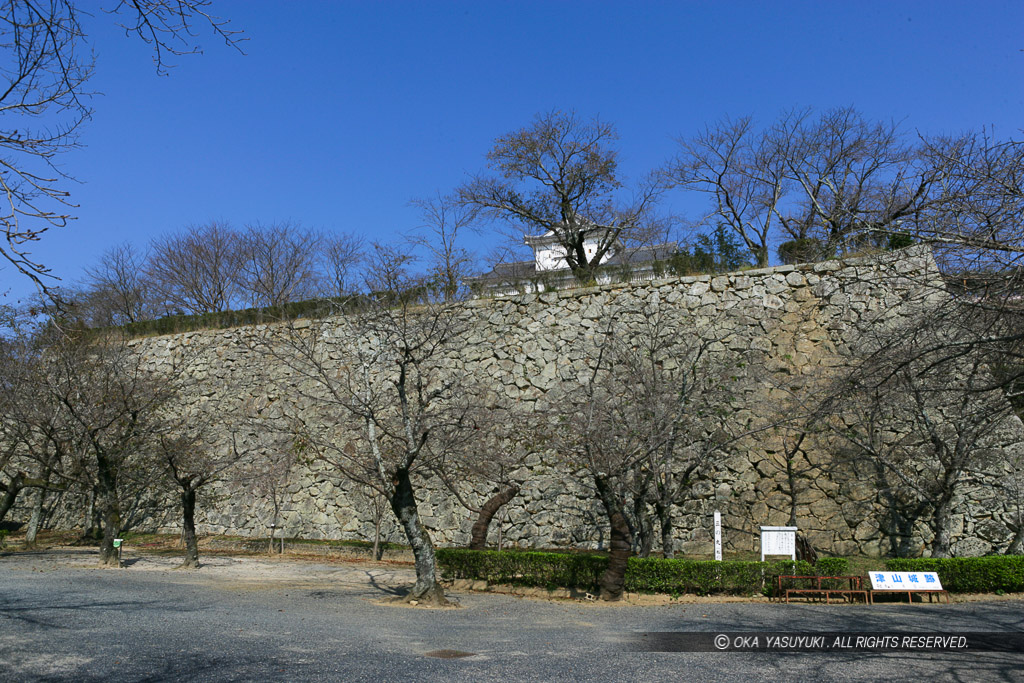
(643, 575)
(702, 577)
(310, 308)
(833, 566)
(523, 568)
(969, 574)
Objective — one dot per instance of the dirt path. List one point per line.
(345, 573)
(233, 568)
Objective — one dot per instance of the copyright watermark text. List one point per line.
(674, 641)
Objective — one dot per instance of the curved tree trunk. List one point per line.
(621, 546)
(478, 539)
(427, 589)
(188, 518)
(11, 491)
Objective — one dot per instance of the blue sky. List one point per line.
(340, 113)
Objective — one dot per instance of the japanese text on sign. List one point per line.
(905, 581)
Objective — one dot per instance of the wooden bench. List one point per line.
(854, 583)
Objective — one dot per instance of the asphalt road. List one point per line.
(68, 623)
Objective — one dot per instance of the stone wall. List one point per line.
(800, 319)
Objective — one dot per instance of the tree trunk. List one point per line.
(804, 550)
(478, 534)
(668, 549)
(377, 552)
(11, 493)
(620, 547)
(646, 540)
(760, 254)
(36, 518)
(188, 518)
(111, 511)
(1017, 543)
(941, 525)
(273, 522)
(93, 523)
(403, 502)
(584, 273)
(644, 530)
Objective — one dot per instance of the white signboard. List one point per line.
(718, 536)
(905, 581)
(778, 540)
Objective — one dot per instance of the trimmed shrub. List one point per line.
(832, 566)
(310, 308)
(969, 574)
(643, 575)
(702, 577)
(523, 568)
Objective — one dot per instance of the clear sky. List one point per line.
(342, 112)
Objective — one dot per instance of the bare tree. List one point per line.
(975, 219)
(489, 448)
(928, 426)
(116, 288)
(832, 184)
(1013, 485)
(373, 415)
(183, 450)
(646, 423)
(444, 218)
(113, 404)
(971, 336)
(674, 389)
(47, 65)
(268, 473)
(856, 182)
(341, 257)
(196, 271)
(377, 504)
(35, 442)
(588, 436)
(974, 227)
(277, 263)
(744, 171)
(559, 177)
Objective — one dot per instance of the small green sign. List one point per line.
(117, 542)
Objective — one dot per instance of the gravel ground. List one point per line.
(244, 618)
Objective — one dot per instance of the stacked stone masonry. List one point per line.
(801, 318)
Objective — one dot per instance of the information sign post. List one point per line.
(778, 540)
(718, 536)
